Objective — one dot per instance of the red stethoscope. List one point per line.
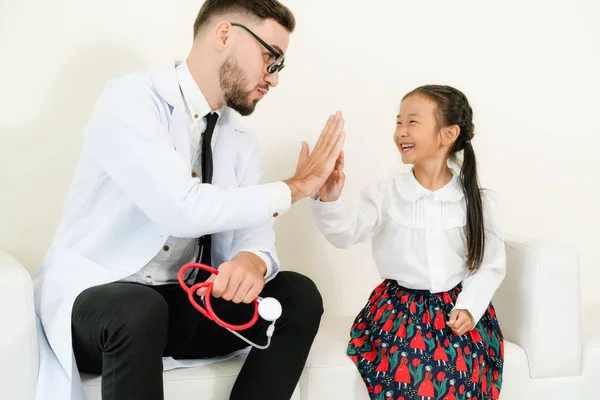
(268, 308)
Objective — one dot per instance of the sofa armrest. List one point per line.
(18, 338)
(539, 305)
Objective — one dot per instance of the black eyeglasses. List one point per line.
(278, 63)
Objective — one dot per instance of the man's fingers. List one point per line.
(232, 287)
(220, 285)
(253, 293)
(334, 135)
(324, 132)
(241, 292)
(202, 290)
(328, 140)
(330, 132)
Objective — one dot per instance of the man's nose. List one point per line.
(272, 79)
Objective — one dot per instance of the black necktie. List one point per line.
(205, 241)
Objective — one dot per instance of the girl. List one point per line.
(429, 330)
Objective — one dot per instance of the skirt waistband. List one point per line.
(421, 291)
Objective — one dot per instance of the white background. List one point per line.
(529, 68)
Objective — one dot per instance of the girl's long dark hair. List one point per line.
(453, 109)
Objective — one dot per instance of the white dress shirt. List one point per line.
(418, 237)
(177, 251)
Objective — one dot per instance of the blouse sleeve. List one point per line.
(478, 288)
(344, 225)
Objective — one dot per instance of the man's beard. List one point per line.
(234, 84)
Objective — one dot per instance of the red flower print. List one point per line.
(446, 343)
(393, 349)
(429, 335)
(496, 375)
(461, 389)
(416, 362)
(378, 389)
(492, 354)
(440, 376)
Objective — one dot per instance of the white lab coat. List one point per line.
(131, 190)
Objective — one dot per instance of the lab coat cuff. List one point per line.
(266, 258)
(281, 197)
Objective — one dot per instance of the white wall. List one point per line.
(529, 68)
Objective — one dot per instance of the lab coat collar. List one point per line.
(410, 189)
(196, 103)
(167, 87)
(166, 84)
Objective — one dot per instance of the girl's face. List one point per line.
(417, 134)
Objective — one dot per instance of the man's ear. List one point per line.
(222, 33)
(450, 134)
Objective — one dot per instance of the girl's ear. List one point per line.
(450, 134)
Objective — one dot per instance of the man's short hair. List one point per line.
(260, 9)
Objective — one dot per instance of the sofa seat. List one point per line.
(328, 374)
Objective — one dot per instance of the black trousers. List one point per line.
(122, 331)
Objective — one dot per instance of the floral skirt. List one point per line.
(404, 350)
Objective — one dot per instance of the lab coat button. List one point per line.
(276, 215)
(166, 248)
(194, 174)
(195, 116)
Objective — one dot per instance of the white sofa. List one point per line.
(538, 306)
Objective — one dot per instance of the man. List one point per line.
(168, 176)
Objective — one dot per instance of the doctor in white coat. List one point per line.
(168, 176)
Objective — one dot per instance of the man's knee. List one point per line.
(305, 300)
(131, 313)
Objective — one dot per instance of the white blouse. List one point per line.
(418, 237)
